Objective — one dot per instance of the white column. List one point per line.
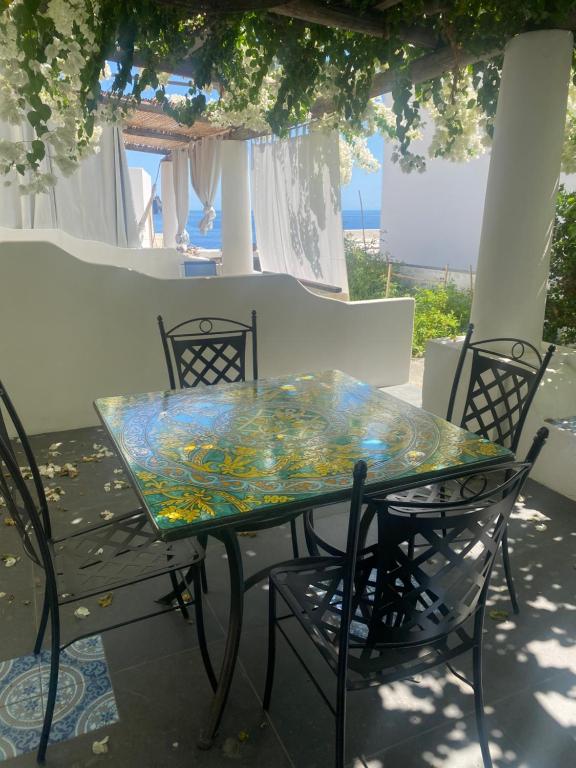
(236, 221)
(513, 260)
(169, 223)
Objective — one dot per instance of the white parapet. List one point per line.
(513, 261)
(77, 330)
(237, 257)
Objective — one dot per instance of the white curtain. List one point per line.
(94, 203)
(205, 169)
(180, 174)
(296, 203)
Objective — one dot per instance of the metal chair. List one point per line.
(9, 417)
(392, 610)
(208, 350)
(505, 374)
(96, 560)
(211, 350)
(504, 377)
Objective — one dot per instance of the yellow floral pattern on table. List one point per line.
(197, 456)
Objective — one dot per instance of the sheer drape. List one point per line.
(296, 203)
(94, 203)
(205, 169)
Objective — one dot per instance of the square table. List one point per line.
(214, 460)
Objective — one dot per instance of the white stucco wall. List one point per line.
(433, 218)
(555, 399)
(162, 263)
(74, 330)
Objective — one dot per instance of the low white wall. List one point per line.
(555, 399)
(73, 331)
(162, 263)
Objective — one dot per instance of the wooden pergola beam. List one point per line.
(428, 67)
(366, 23)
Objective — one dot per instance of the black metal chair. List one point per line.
(393, 610)
(208, 350)
(504, 377)
(212, 350)
(505, 374)
(93, 561)
(9, 416)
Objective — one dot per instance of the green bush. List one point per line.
(433, 317)
(560, 317)
(439, 311)
(366, 273)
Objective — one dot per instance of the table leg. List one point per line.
(235, 569)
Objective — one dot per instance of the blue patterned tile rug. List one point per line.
(85, 699)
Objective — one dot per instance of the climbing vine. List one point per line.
(52, 53)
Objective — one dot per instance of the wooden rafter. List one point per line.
(367, 23)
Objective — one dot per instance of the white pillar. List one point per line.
(236, 220)
(169, 223)
(513, 260)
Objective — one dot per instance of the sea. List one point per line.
(213, 239)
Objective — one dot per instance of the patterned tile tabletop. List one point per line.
(203, 456)
(84, 701)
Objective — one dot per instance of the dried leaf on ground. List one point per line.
(100, 747)
(118, 471)
(231, 748)
(251, 534)
(106, 514)
(54, 494)
(9, 521)
(2, 502)
(49, 470)
(106, 600)
(497, 615)
(81, 612)
(54, 447)
(2, 594)
(243, 736)
(9, 560)
(26, 473)
(69, 470)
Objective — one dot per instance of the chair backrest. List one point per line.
(504, 377)
(23, 510)
(208, 350)
(10, 422)
(406, 595)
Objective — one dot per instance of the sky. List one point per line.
(368, 184)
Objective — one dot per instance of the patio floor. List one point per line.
(159, 693)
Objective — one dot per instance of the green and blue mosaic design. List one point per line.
(204, 454)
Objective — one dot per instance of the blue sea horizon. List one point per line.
(213, 239)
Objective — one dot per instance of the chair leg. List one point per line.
(203, 541)
(43, 624)
(52, 684)
(178, 592)
(308, 520)
(508, 574)
(271, 647)
(294, 532)
(199, 611)
(479, 706)
(340, 722)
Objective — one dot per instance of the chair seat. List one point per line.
(312, 588)
(115, 555)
